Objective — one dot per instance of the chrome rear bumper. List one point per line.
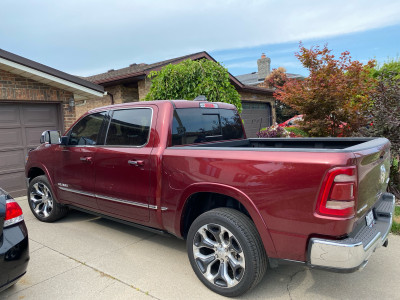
(352, 253)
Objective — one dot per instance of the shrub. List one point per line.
(275, 132)
(385, 115)
(297, 131)
(191, 78)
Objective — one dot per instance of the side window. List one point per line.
(129, 127)
(87, 130)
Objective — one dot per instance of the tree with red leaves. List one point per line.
(335, 97)
(276, 79)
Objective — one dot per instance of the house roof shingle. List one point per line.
(141, 69)
(252, 78)
(138, 70)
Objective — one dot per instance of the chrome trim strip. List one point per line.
(362, 208)
(133, 203)
(76, 191)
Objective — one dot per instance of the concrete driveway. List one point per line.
(86, 257)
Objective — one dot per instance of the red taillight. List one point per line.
(208, 105)
(13, 213)
(337, 197)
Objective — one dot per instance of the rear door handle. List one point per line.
(136, 163)
(86, 159)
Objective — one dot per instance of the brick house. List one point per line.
(132, 84)
(33, 98)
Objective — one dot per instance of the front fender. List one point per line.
(233, 193)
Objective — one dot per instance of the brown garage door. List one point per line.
(20, 128)
(255, 116)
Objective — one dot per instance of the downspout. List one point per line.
(111, 96)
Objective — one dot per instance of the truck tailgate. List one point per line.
(373, 166)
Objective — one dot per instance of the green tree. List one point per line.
(192, 78)
(390, 69)
(335, 97)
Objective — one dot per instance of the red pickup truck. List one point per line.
(186, 168)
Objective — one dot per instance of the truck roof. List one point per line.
(175, 103)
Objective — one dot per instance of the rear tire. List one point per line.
(42, 201)
(226, 251)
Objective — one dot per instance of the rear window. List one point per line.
(200, 125)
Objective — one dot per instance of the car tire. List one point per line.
(42, 201)
(226, 251)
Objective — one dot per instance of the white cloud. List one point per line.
(86, 35)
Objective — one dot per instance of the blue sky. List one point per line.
(380, 44)
(92, 36)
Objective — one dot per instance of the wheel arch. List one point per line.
(34, 171)
(234, 197)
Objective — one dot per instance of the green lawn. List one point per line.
(396, 221)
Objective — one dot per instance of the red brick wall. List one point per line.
(15, 87)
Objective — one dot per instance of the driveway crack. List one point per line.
(291, 277)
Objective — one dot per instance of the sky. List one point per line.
(85, 37)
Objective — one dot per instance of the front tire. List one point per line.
(42, 201)
(226, 251)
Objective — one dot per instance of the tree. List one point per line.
(335, 97)
(276, 79)
(192, 78)
(390, 68)
(385, 113)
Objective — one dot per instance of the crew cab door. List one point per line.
(123, 164)
(74, 166)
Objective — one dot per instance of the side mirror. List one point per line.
(50, 137)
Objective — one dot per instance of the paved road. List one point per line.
(86, 257)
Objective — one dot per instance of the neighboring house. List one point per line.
(132, 84)
(264, 69)
(33, 98)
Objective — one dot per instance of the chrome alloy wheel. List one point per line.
(41, 200)
(218, 255)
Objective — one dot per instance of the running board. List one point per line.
(151, 229)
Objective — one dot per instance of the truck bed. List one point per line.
(295, 144)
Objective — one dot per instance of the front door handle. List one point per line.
(87, 159)
(136, 163)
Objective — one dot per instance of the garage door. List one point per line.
(20, 128)
(255, 116)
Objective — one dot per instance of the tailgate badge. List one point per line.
(383, 174)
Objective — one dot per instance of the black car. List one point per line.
(14, 249)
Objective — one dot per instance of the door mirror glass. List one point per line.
(50, 137)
